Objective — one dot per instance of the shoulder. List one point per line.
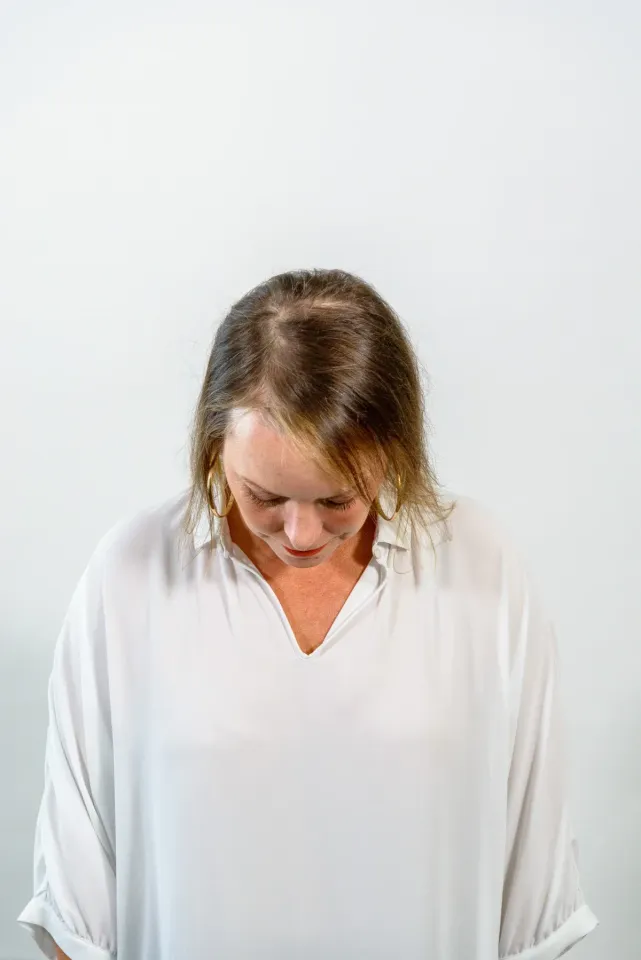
(474, 528)
(484, 574)
(478, 551)
(150, 538)
(137, 558)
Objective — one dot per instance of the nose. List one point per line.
(302, 526)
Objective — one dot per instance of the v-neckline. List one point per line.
(291, 588)
(311, 626)
(368, 583)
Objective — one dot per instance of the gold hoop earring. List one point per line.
(377, 506)
(210, 496)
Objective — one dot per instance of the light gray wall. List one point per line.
(479, 163)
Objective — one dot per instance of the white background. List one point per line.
(478, 163)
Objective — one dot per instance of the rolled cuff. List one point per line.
(575, 928)
(41, 920)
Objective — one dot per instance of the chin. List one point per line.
(303, 561)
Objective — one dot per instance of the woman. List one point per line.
(307, 709)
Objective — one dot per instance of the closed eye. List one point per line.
(277, 501)
(338, 504)
(270, 502)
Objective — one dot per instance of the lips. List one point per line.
(304, 553)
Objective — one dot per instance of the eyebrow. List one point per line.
(279, 496)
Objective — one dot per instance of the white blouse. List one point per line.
(213, 793)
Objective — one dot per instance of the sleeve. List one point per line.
(543, 912)
(73, 904)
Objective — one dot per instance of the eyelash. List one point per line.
(331, 504)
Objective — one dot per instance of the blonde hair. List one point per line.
(328, 362)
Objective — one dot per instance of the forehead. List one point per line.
(258, 452)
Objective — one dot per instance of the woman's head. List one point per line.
(285, 496)
(312, 395)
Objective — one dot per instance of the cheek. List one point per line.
(261, 521)
(346, 521)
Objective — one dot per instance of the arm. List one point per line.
(73, 904)
(544, 913)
